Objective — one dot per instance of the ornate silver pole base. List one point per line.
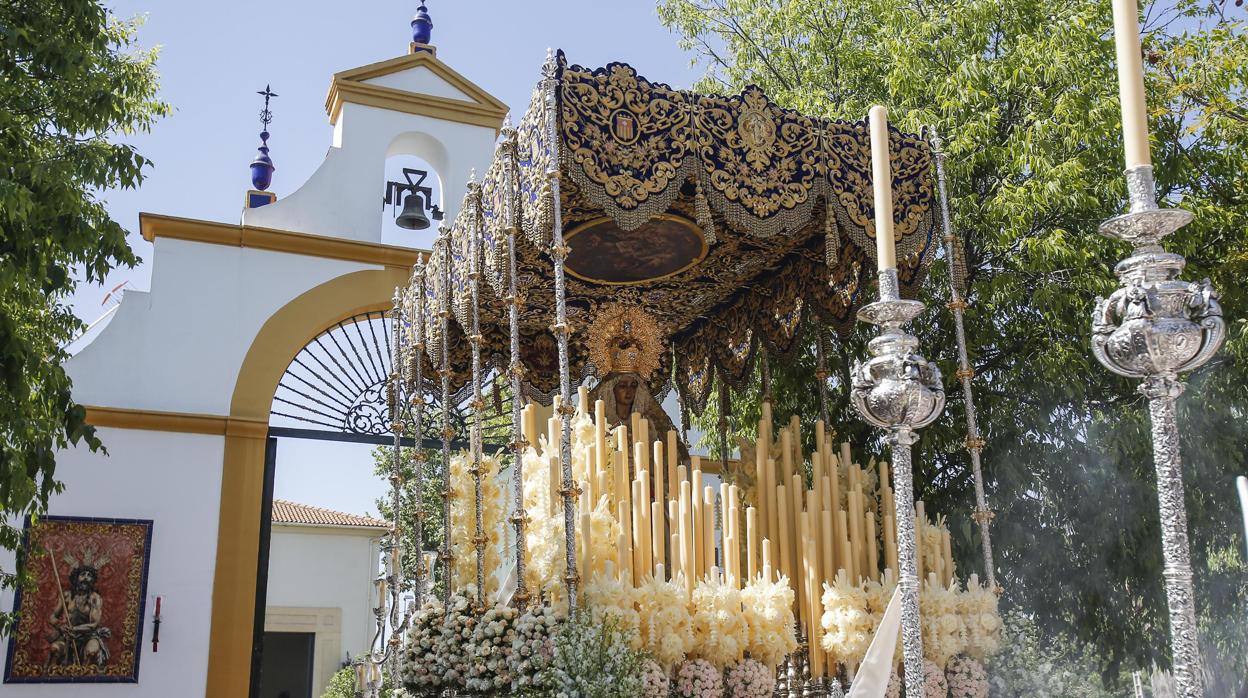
(900, 391)
(1154, 327)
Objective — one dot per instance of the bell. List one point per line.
(413, 215)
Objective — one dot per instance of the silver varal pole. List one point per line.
(417, 398)
(478, 405)
(900, 391)
(974, 442)
(1154, 327)
(558, 253)
(444, 372)
(515, 371)
(394, 564)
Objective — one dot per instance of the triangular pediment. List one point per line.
(418, 83)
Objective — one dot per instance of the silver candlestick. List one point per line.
(900, 391)
(1154, 327)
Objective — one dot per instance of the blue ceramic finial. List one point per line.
(422, 26)
(262, 167)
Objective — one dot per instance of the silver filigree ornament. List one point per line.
(1154, 327)
(898, 390)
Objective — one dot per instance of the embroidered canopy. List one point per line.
(735, 224)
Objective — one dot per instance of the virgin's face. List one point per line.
(625, 391)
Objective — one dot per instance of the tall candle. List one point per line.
(766, 550)
(673, 454)
(675, 550)
(882, 181)
(657, 536)
(751, 542)
(587, 548)
(828, 554)
(699, 555)
(1131, 83)
(782, 533)
(772, 529)
(708, 530)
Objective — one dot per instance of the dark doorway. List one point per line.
(286, 666)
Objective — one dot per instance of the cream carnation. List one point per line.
(768, 610)
(847, 621)
(978, 606)
(666, 624)
(606, 596)
(720, 633)
(943, 636)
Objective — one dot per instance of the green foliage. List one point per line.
(342, 685)
(1024, 94)
(428, 498)
(70, 86)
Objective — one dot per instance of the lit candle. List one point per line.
(1131, 83)
(882, 179)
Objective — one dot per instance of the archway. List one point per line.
(281, 337)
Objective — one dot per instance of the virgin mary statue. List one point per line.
(626, 345)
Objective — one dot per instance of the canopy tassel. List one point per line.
(702, 212)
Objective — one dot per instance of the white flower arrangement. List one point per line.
(847, 622)
(607, 597)
(464, 525)
(489, 653)
(967, 678)
(666, 624)
(439, 641)
(943, 635)
(604, 531)
(592, 660)
(978, 606)
(720, 633)
(698, 678)
(768, 610)
(544, 544)
(749, 679)
(532, 648)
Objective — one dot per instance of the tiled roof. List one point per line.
(285, 512)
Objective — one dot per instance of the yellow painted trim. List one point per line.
(182, 422)
(430, 61)
(153, 225)
(242, 479)
(442, 108)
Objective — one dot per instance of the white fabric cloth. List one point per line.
(871, 681)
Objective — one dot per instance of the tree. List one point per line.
(71, 84)
(1024, 94)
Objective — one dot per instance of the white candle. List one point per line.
(1131, 83)
(882, 179)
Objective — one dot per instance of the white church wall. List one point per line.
(175, 480)
(342, 198)
(326, 567)
(420, 80)
(179, 348)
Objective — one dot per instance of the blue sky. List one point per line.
(215, 56)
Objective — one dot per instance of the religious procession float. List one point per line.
(627, 243)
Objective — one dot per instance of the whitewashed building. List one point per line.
(318, 608)
(181, 382)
